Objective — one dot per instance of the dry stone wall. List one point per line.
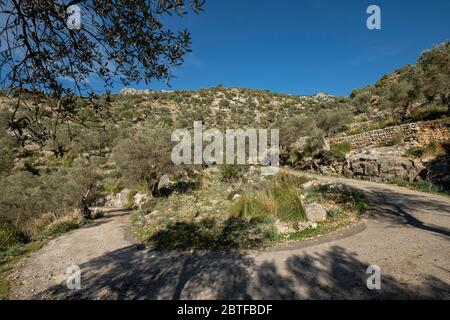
(419, 132)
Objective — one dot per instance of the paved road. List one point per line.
(406, 234)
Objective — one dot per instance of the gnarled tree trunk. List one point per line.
(83, 206)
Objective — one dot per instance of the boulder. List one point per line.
(118, 200)
(315, 212)
(140, 199)
(382, 164)
(164, 182)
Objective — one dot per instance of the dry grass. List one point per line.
(51, 224)
(432, 150)
(18, 241)
(280, 199)
(46, 225)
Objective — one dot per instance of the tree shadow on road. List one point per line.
(130, 273)
(397, 209)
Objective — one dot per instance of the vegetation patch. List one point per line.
(428, 112)
(420, 186)
(251, 213)
(9, 258)
(344, 207)
(431, 150)
(342, 147)
(16, 244)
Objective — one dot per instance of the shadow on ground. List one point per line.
(130, 273)
(389, 207)
(334, 272)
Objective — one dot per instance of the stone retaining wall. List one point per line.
(419, 132)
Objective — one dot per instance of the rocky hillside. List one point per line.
(118, 142)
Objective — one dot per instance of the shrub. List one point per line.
(433, 149)
(396, 139)
(339, 194)
(9, 235)
(51, 224)
(6, 160)
(415, 152)
(330, 156)
(343, 147)
(231, 172)
(420, 185)
(333, 120)
(26, 197)
(399, 138)
(428, 112)
(224, 103)
(144, 157)
(314, 144)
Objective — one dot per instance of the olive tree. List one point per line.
(49, 62)
(145, 157)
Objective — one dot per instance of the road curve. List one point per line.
(406, 234)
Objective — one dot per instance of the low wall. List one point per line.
(419, 132)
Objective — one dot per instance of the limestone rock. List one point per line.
(140, 198)
(118, 200)
(315, 212)
(164, 182)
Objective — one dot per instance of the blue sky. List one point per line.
(304, 46)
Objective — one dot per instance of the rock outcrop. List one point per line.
(315, 212)
(382, 169)
(376, 164)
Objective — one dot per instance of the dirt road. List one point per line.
(406, 234)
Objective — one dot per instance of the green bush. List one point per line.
(9, 235)
(415, 152)
(231, 172)
(26, 197)
(6, 160)
(144, 157)
(421, 186)
(224, 103)
(343, 147)
(330, 156)
(428, 112)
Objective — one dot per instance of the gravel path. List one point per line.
(406, 234)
